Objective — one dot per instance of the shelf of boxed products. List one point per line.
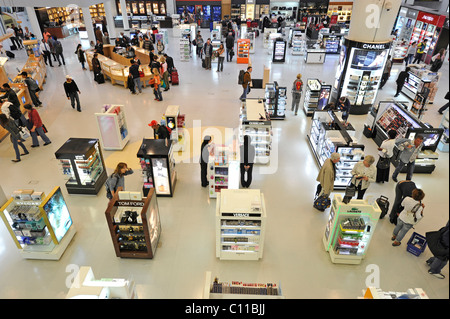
(400, 52)
(90, 169)
(275, 101)
(243, 51)
(420, 76)
(240, 224)
(362, 89)
(184, 49)
(312, 95)
(223, 170)
(266, 36)
(214, 289)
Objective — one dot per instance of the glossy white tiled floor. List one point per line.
(294, 254)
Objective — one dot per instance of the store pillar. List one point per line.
(36, 29)
(110, 13)
(126, 25)
(88, 23)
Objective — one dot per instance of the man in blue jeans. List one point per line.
(409, 152)
(246, 83)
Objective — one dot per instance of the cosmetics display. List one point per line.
(176, 122)
(243, 51)
(298, 43)
(240, 224)
(223, 169)
(275, 101)
(112, 126)
(420, 77)
(279, 50)
(266, 36)
(443, 142)
(41, 226)
(312, 94)
(349, 229)
(134, 224)
(82, 164)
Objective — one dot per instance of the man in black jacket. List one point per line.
(402, 189)
(170, 64)
(134, 72)
(159, 131)
(32, 88)
(402, 77)
(438, 243)
(229, 43)
(208, 50)
(72, 91)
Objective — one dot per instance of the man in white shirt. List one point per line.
(15, 42)
(45, 50)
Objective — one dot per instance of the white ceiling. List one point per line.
(49, 3)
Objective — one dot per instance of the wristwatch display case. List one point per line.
(134, 225)
(41, 226)
(158, 166)
(82, 163)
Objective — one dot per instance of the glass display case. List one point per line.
(82, 163)
(275, 101)
(444, 141)
(158, 166)
(134, 224)
(40, 226)
(349, 229)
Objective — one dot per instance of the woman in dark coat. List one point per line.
(247, 153)
(204, 156)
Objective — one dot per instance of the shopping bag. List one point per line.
(350, 191)
(163, 84)
(44, 128)
(383, 162)
(24, 132)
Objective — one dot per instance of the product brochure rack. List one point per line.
(85, 286)
(112, 126)
(256, 123)
(312, 95)
(176, 122)
(213, 289)
(40, 226)
(349, 229)
(393, 116)
(240, 224)
(275, 101)
(378, 293)
(243, 51)
(327, 136)
(184, 49)
(158, 166)
(134, 224)
(82, 163)
(223, 169)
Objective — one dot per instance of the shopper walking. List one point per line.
(386, 72)
(157, 85)
(116, 181)
(221, 57)
(445, 106)
(363, 173)
(385, 152)
(45, 49)
(165, 73)
(16, 140)
(409, 150)
(327, 175)
(437, 60)
(59, 51)
(247, 156)
(35, 126)
(403, 77)
(344, 106)
(204, 158)
(199, 44)
(208, 50)
(297, 88)
(402, 189)
(411, 214)
(246, 83)
(52, 43)
(170, 64)
(420, 51)
(80, 55)
(134, 71)
(438, 243)
(72, 92)
(410, 53)
(14, 108)
(229, 42)
(33, 88)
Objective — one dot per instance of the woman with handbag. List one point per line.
(386, 151)
(411, 214)
(363, 174)
(14, 131)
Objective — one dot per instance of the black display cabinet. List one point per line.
(158, 166)
(82, 163)
(279, 50)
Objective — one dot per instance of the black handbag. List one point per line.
(383, 162)
(350, 191)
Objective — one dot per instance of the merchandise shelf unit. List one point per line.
(298, 43)
(82, 164)
(214, 289)
(420, 77)
(250, 34)
(176, 122)
(443, 142)
(40, 226)
(112, 126)
(378, 293)
(243, 51)
(275, 101)
(158, 166)
(240, 224)
(134, 224)
(184, 49)
(271, 45)
(328, 135)
(256, 123)
(349, 229)
(312, 94)
(85, 286)
(266, 36)
(223, 169)
(279, 50)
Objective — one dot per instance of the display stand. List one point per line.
(112, 126)
(332, 42)
(275, 101)
(40, 226)
(250, 34)
(243, 50)
(256, 124)
(134, 224)
(267, 39)
(315, 55)
(223, 169)
(327, 136)
(240, 224)
(378, 293)
(443, 143)
(82, 163)
(176, 122)
(298, 43)
(400, 51)
(184, 50)
(158, 166)
(312, 94)
(214, 289)
(85, 286)
(279, 50)
(349, 229)
(272, 37)
(420, 77)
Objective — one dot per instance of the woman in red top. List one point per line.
(35, 126)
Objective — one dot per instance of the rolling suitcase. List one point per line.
(99, 78)
(174, 77)
(383, 203)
